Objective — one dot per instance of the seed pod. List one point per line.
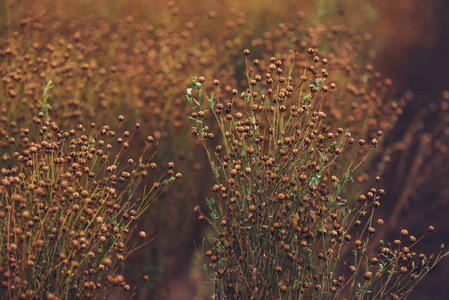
(367, 275)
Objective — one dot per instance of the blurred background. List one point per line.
(134, 58)
(417, 179)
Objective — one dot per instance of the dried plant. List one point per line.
(68, 207)
(282, 227)
(107, 59)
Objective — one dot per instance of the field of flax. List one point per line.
(197, 149)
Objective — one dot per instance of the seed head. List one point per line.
(367, 275)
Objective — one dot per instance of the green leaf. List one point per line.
(168, 180)
(189, 98)
(213, 100)
(211, 205)
(296, 283)
(316, 178)
(216, 171)
(46, 89)
(317, 83)
(322, 155)
(339, 190)
(45, 105)
(307, 98)
(347, 179)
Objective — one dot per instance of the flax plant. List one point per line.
(282, 227)
(68, 206)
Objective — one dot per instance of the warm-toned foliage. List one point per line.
(282, 228)
(134, 59)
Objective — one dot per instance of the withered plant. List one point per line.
(282, 227)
